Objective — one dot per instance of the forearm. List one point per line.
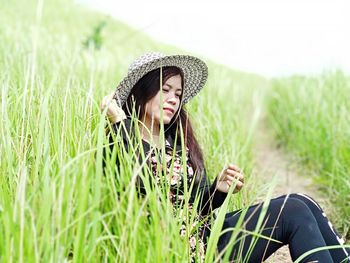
(210, 197)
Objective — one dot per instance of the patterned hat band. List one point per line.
(195, 73)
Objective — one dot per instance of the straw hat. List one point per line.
(195, 73)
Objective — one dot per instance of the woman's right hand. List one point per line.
(114, 112)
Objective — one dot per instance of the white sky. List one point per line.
(268, 37)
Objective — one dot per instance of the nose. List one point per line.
(172, 100)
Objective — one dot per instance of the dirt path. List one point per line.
(272, 161)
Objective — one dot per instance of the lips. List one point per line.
(169, 109)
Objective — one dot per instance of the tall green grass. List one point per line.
(311, 118)
(56, 204)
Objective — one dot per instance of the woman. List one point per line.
(296, 220)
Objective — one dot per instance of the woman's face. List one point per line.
(171, 92)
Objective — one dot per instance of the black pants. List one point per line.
(301, 223)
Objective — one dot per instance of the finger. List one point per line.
(105, 101)
(103, 104)
(238, 175)
(113, 106)
(233, 176)
(225, 176)
(111, 94)
(109, 98)
(231, 171)
(233, 181)
(239, 185)
(234, 167)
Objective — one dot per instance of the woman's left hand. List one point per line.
(230, 176)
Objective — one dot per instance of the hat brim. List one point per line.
(195, 76)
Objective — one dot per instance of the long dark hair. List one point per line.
(144, 90)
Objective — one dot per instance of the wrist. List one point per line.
(117, 118)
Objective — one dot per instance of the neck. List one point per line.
(150, 131)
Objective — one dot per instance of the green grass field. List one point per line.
(310, 116)
(56, 205)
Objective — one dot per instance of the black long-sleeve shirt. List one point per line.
(209, 197)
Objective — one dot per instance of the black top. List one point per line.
(210, 198)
